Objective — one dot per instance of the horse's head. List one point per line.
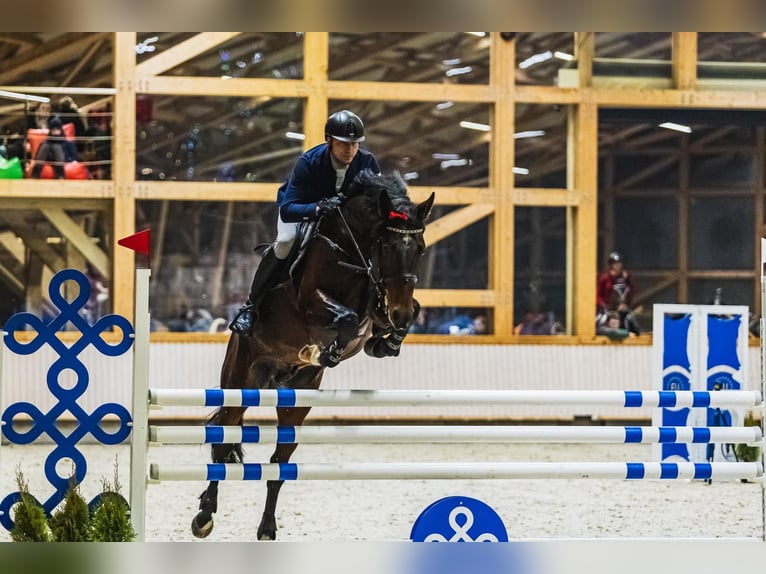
(396, 228)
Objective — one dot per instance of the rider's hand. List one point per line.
(327, 205)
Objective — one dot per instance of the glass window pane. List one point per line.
(441, 57)
(730, 47)
(540, 56)
(733, 291)
(540, 146)
(645, 232)
(206, 138)
(247, 55)
(721, 232)
(198, 279)
(540, 270)
(34, 249)
(426, 142)
(648, 294)
(458, 261)
(722, 170)
(82, 59)
(454, 321)
(642, 45)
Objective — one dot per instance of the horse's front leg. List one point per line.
(388, 342)
(202, 523)
(267, 529)
(332, 315)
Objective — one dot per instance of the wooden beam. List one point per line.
(584, 50)
(35, 243)
(456, 220)
(54, 189)
(76, 236)
(124, 173)
(545, 197)
(455, 297)
(315, 65)
(182, 52)
(684, 53)
(410, 92)
(206, 190)
(210, 86)
(583, 220)
(502, 154)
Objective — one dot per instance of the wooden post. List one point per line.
(684, 60)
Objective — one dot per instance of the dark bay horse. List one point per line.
(351, 290)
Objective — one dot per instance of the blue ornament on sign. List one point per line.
(67, 397)
(459, 519)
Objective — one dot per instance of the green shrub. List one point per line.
(71, 523)
(29, 522)
(111, 518)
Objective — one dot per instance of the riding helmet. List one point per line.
(615, 257)
(344, 126)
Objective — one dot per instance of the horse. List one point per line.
(351, 289)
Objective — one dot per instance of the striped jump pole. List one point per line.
(449, 434)
(410, 398)
(456, 470)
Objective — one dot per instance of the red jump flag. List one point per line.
(138, 242)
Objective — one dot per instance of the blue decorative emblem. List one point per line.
(65, 445)
(459, 519)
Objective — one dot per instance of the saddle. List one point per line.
(306, 231)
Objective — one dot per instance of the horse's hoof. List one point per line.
(202, 524)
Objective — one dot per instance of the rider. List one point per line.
(312, 189)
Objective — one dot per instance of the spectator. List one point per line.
(100, 135)
(38, 119)
(99, 294)
(537, 323)
(614, 293)
(464, 325)
(56, 148)
(70, 114)
(611, 325)
(615, 285)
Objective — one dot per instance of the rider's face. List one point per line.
(343, 152)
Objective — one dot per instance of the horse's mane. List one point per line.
(370, 183)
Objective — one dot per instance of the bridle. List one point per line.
(367, 267)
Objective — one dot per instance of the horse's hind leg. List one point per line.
(202, 523)
(267, 529)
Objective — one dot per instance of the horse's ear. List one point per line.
(425, 208)
(385, 205)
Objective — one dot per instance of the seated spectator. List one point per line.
(38, 119)
(537, 323)
(100, 144)
(69, 113)
(56, 149)
(612, 325)
(463, 325)
(420, 324)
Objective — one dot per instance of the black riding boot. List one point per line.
(267, 273)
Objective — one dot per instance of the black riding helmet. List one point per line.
(615, 257)
(344, 126)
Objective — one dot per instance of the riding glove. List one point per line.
(327, 205)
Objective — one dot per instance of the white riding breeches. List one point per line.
(286, 235)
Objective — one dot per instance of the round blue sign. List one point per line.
(458, 519)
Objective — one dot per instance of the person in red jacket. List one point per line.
(615, 285)
(615, 291)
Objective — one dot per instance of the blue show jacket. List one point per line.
(313, 178)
